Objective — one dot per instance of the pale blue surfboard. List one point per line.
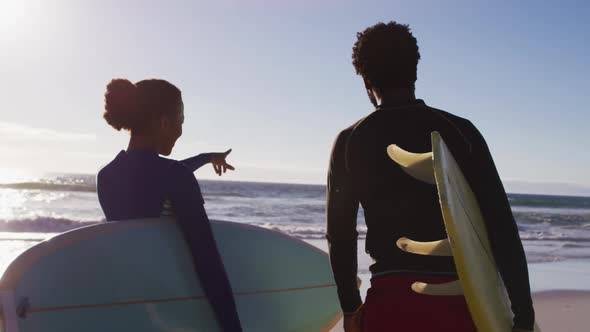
(137, 276)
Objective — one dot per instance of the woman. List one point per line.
(139, 183)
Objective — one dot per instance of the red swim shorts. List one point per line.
(391, 305)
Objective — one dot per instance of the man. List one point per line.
(397, 205)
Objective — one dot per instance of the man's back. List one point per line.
(395, 204)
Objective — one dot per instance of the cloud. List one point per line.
(19, 132)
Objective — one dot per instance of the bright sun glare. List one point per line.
(8, 175)
(12, 14)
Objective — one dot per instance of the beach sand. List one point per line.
(563, 311)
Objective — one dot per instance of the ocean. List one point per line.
(553, 228)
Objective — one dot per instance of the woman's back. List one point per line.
(136, 184)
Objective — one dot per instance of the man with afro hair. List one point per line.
(396, 205)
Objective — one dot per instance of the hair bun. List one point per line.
(121, 104)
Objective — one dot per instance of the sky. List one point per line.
(273, 80)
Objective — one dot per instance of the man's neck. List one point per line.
(396, 97)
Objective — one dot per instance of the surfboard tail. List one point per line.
(420, 166)
(479, 280)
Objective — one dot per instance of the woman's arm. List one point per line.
(187, 202)
(216, 158)
(196, 162)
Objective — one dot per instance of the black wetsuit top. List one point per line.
(138, 184)
(397, 205)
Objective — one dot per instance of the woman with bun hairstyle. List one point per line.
(139, 183)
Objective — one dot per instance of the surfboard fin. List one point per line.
(444, 289)
(433, 248)
(417, 165)
(420, 166)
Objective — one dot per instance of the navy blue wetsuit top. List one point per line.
(137, 184)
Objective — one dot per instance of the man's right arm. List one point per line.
(502, 229)
(342, 209)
